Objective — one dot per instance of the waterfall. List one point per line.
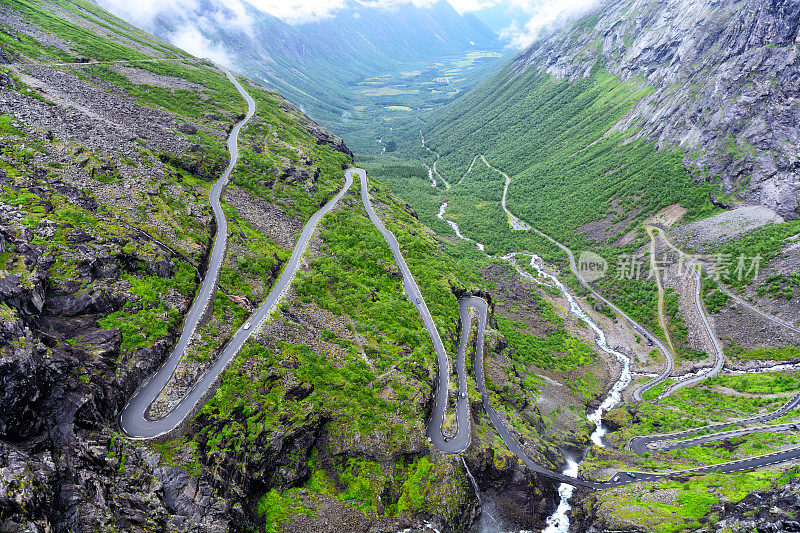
(558, 522)
(472, 479)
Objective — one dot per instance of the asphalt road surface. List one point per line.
(724, 289)
(719, 355)
(719, 360)
(638, 445)
(684, 439)
(460, 440)
(133, 419)
(652, 339)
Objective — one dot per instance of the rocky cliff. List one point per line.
(724, 75)
(105, 166)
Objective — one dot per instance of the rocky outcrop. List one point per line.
(322, 135)
(770, 510)
(765, 511)
(522, 497)
(725, 76)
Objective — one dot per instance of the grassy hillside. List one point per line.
(362, 72)
(111, 140)
(556, 139)
(573, 176)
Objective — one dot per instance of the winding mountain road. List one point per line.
(462, 438)
(719, 354)
(638, 445)
(662, 320)
(641, 443)
(719, 360)
(134, 419)
(137, 424)
(724, 289)
(691, 437)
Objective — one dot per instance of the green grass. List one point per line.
(217, 95)
(692, 504)
(553, 138)
(638, 298)
(765, 242)
(277, 508)
(7, 126)
(557, 351)
(766, 382)
(760, 354)
(713, 298)
(653, 393)
(82, 42)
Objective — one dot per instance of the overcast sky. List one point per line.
(516, 21)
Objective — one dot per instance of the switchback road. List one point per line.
(691, 437)
(638, 445)
(135, 421)
(461, 440)
(731, 294)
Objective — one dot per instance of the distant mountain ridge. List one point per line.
(312, 63)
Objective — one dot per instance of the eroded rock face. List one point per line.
(322, 135)
(763, 511)
(768, 511)
(726, 77)
(523, 497)
(24, 381)
(60, 468)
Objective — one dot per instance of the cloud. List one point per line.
(469, 6)
(298, 11)
(531, 16)
(543, 14)
(143, 13)
(191, 17)
(190, 39)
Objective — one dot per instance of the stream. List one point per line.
(456, 229)
(558, 522)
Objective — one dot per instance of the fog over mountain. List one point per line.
(518, 22)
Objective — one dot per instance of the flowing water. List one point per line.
(456, 229)
(558, 522)
(430, 176)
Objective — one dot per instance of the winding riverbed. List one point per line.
(558, 522)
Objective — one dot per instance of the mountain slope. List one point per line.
(111, 141)
(724, 84)
(675, 115)
(629, 110)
